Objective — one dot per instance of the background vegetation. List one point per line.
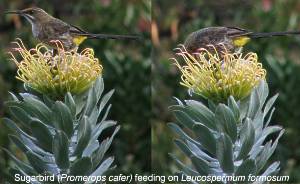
(126, 68)
(174, 20)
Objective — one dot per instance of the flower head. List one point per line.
(54, 75)
(217, 76)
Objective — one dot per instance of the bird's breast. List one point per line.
(35, 30)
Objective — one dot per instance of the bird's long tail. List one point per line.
(270, 34)
(110, 36)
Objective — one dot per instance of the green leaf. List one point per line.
(200, 165)
(183, 147)
(20, 115)
(12, 126)
(100, 127)
(254, 105)
(48, 101)
(81, 167)
(38, 108)
(80, 101)
(99, 86)
(37, 162)
(272, 170)
(69, 101)
(106, 113)
(176, 129)
(94, 116)
(105, 99)
(263, 92)
(225, 153)
(41, 132)
(269, 104)
(30, 143)
(232, 104)
(243, 107)
(104, 146)
(270, 117)
(91, 102)
(258, 122)
(184, 119)
(205, 137)
(61, 150)
(29, 96)
(212, 105)
(178, 101)
(63, 118)
(18, 143)
(186, 112)
(179, 108)
(13, 103)
(184, 167)
(91, 148)
(195, 150)
(30, 89)
(263, 157)
(226, 121)
(247, 167)
(267, 151)
(247, 135)
(103, 167)
(22, 165)
(266, 132)
(205, 116)
(13, 96)
(84, 135)
(99, 153)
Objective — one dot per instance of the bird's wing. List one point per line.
(236, 31)
(77, 30)
(55, 28)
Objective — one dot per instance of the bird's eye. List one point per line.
(30, 12)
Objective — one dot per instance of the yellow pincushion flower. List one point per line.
(67, 71)
(217, 78)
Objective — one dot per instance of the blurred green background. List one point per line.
(173, 20)
(127, 67)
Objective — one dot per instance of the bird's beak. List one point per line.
(14, 12)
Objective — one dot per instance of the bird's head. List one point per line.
(33, 14)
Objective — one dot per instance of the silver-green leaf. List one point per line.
(225, 153)
(61, 150)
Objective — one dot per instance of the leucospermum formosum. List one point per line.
(66, 71)
(58, 128)
(228, 133)
(217, 76)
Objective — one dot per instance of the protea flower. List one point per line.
(67, 71)
(218, 76)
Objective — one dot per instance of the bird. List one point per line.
(48, 29)
(233, 39)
